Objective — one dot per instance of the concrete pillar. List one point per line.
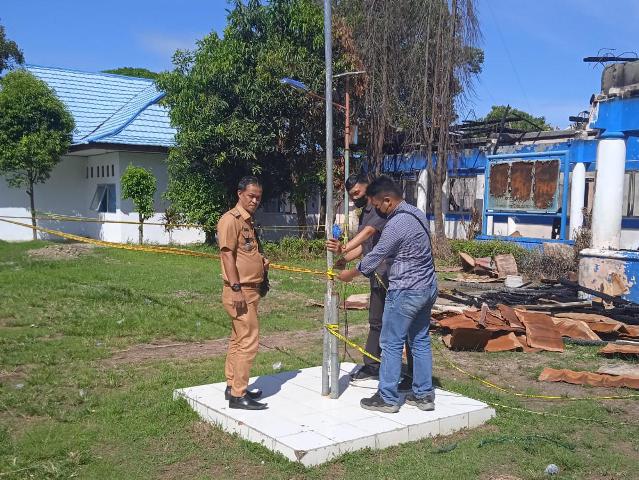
(422, 190)
(577, 193)
(490, 225)
(608, 206)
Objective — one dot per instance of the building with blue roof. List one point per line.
(119, 121)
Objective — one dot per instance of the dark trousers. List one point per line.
(375, 313)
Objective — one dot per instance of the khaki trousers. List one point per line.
(243, 344)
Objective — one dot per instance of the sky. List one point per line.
(533, 49)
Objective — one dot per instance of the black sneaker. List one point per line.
(406, 385)
(364, 374)
(427, 403)
(378, 404)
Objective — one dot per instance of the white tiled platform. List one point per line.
(311, 429)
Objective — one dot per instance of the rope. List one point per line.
(160, 249)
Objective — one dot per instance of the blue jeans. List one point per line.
(406, 315)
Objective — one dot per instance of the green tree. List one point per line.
(10, 54)
(133, 72)
(35, 130)
(518, 119)
(234, 117)
(139, 185)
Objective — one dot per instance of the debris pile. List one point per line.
(505, 328)
(487, 269)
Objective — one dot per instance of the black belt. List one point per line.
(247, 285)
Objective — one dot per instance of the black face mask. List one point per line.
(360, 202)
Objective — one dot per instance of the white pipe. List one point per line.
(577, 192)
(422, 190)
(608, 206)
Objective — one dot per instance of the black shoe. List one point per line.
(378, 404)
(254, 394)
(364, 374)
(246, 403)
(406, 385)
(427, 403)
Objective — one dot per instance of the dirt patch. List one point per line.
(61, 251)
(499, 477)
(166, 349)
(15, 376)
(190, 467)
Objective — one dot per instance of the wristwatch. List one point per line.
(236, 287)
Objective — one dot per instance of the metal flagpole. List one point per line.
(330, 361)
(329, 317)
(347, 151)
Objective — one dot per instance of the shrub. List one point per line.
(295, 248)
(537, 264)
(489, 248)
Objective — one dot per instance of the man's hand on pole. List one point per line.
(347, 275)
(334, 245)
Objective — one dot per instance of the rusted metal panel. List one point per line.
(524, 185)
(521, 175)
(499, 174)
(546, 182)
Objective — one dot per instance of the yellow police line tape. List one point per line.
(67, 218)
(333, 329)
(159, 249)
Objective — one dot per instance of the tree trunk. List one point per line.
(141, 230)
(321, 232)
(438, 210)
(209, 237)
(300, 207)
(31, 194)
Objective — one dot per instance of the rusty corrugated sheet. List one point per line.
(499, 179)
(546, 180)
(521, 174)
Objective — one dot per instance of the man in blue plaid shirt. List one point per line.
(412, 291)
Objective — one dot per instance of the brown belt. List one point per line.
(247, 285)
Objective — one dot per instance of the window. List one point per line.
(103, 170)
(104, 199)
(631, 195)
(279, 205)
(461, 194)
(112, 171)
(91, 172)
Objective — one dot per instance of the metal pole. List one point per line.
(347, 154)
(329, 318)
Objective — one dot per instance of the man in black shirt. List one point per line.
(368, 234)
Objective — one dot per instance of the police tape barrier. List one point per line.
(55, 217)
(159, 249)
(333, 329)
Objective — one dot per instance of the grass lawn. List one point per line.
(68, 411)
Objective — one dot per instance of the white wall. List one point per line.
(60, 194)
(70, 190)
(156, 163)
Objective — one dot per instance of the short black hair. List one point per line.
(355, 179)
(384, 185)
(246, 181)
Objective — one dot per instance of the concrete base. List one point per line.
(311, 429)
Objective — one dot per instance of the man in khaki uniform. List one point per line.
(243, 268)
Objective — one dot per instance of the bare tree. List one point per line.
(421, 59)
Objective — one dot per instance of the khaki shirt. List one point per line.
(235, 231)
